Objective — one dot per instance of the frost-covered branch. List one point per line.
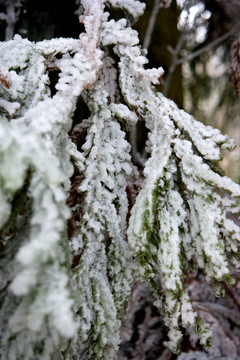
(65, 290)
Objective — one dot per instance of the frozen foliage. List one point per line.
(132, 8)
(65, 285)
(144, 333)
(101, 241)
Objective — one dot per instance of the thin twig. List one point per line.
(151, 24)
(209, 46)
(174, 63)
(175, 52)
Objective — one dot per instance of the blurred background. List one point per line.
(198, 45)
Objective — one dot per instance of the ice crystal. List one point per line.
(63, 294)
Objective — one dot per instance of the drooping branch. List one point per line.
(65, 294)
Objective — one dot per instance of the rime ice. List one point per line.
(180, 220)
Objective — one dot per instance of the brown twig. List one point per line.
(235, 65)
(5, 77)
